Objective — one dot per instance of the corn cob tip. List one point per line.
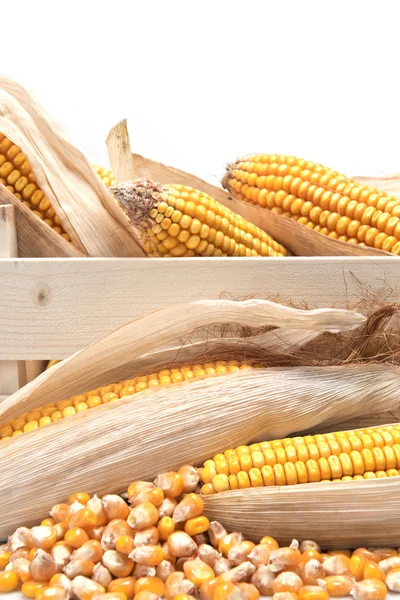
(137, 198)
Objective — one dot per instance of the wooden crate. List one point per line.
(51, 308)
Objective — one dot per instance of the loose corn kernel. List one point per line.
(313, 592)
(283, 558)
(51, 593)
(150, 584)
(9, 581)
(30, 588)
(180, 544)
(124, 544)
(4, 559)
(118, 564)
(81, 497)
(369, 589)
(171, 484)
(165, 526)
(373, 571)
(126, 585)
(142, 516)
(338, 586)
(287, 582)
(197, 525)
(198, 572)
(83, 518)
(76, 537)
(149, 555)
(248, 591)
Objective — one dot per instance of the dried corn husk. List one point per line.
(389, 184)
(103, 449)
(298, 238)
(339, 515)
(86, 209)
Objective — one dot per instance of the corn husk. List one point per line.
(103, 449)
(298, 238)
(389, 184)
(348, 514)
(86, 209)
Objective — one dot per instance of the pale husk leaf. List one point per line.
(298, 238)
(337, 515)
(80, 199)
(389, 184)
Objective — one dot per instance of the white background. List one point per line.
(202, 82)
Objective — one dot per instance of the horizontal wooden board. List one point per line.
(50, 308)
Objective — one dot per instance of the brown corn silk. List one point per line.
(82, 204)
(187, 422)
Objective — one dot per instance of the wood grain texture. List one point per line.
(53, 308)
(35, 238)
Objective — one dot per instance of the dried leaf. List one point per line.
(80, 199)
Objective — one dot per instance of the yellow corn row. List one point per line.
(176, 220)
(16, 174)
(318, 198)
(110, 393)
(341, 456)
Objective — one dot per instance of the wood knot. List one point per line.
(43, 296)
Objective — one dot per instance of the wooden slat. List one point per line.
(52, 308)
(13, 374)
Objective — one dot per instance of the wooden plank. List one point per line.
(13, 374)
(52, 308)
(11, 371)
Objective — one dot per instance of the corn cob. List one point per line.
(177, 220)
(16, 174)
(110, 393)
(319, 198)
(364, 453)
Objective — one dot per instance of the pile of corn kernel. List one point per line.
(158, 543)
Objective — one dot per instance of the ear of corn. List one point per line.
(176, 220)
(17, 175)
(319, 198)
(110, 393)
(360, 454)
